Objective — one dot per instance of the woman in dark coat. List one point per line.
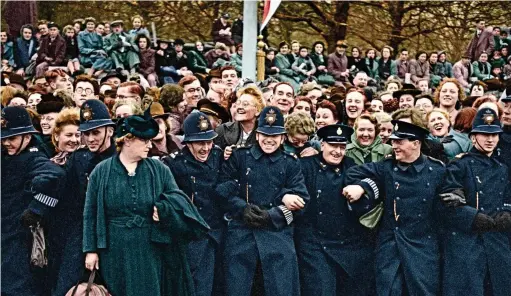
(269, 63)
(147, 60)
(197, 62)
(139, 248)
(321, 62)
(24, 49)
(356, 62)
(73, 63)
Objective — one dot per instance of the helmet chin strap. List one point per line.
(18, 151)
(103, 142)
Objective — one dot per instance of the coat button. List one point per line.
(321, 213)
(319, 191)
(249, 186)
(482, 209)
(480, 192)
(324, 248)
(427, 184)
(200, 209)
(395, 169)
(430, 168)
(420, 215)
(397, 198)
(396, 228)
(471, 161)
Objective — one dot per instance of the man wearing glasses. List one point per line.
(86, 88)
(193, 90)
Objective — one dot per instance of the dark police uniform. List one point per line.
(198, 180)
(505, 141)
(29, 188)
(67, 225)
(407, 252)
(335, 253)
(477, 261)
(251, 178)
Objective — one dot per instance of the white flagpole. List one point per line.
(249, 39)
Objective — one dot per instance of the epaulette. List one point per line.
(242, 146)
(436, 160)
(33, 149)
(291, 154)
(388, 156)
(461, 155)
(174, 154)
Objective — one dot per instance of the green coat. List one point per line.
(197, 62)
(138, 256)
(377, 151)
(286, 74)
(480, 74)
(237, 62)
(122, 56)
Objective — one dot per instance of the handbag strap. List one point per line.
(90, 282)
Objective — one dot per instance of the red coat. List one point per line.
(55, 49)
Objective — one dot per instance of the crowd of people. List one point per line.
(171, 174)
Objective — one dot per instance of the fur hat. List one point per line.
(49, 104)
(171, 95)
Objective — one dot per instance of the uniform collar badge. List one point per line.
(87, 113)
(271, 117)
(203, 123)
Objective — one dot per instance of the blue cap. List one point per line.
(271, 122)
(16, 121)
(335, 133)
(486, 121)
(404, 130)
(94, 114)
(197, 127)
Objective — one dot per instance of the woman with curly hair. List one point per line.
(299, 127)
(65, 135)
(447, 95)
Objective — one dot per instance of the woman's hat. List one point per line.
(143, 127)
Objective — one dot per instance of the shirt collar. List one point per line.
(418, 164)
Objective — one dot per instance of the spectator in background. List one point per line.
(338, 62)
(446, 65)
(78, 25)
(237, 59)
(218, 56)
(180, 58)
(303, 104)
(386, 66)
(130, 91)
(217, 87)
(482, 69)
(229, 77)
(92, 54)
(7, 53)
(43, 30)
(419, 68)
(402, 64)
(237, 30)
(147, 60)
(481, 42)
(221, 32)
(73, 64)
(366, 145)
(58, 79)
(52, 50)
(174, 103)
(24, 49)
(138, 27)
(462, 71)
(122, 49)
(448, 93)
(192, 89)
(197, 62)
(100, 29)
(86, 88)
(125, 108)
(371, 65)
(285, 73)
(299, 127)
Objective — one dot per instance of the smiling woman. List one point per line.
(440, 128)
(366, 145)
(65, 134)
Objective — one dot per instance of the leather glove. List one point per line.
(503, 221)
(255, 217)
(483, 223)
(454, 199)
(29, 218)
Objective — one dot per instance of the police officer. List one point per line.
(407, 254)
(29, 191)
(335, 253)
(476, 247)
(196, 169)
(97, 129)
(265, 190)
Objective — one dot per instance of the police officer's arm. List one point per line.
(45, 183)
(368, 176)
(463, 216)
(280, 215)
(228, 187)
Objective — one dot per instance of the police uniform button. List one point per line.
(185, 161)
(281, 173)
(501, 179)
(249, 186)
(480, 192)
(427, 184)
(424, 199)
(397, 198)
(247, 152)
(195, 193)
(200, 209)
(429, 236)
(454, 233)
(271, 205)
(419, 215)
(319, 191)
(430, 168)
(324, 248)
(342, 243)
(482, 209)
(321, 213)
(471, 161)
(395, 169)
(134, 208)
(396, 228)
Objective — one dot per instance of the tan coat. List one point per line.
(462, 73)
(419, 71)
